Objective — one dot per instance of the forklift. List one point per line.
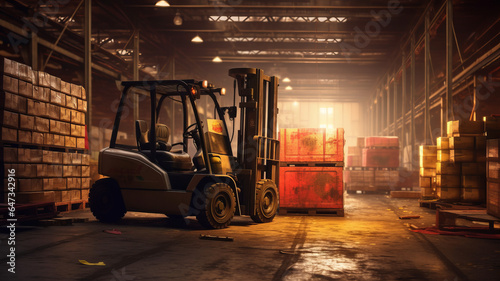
(198, 175)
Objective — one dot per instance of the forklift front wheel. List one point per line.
(105, 200)
(267, 201)
(219, 207)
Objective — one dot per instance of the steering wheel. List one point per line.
(190, 134)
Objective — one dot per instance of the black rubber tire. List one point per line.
(219, 206)
(267, 197)
(106, 201)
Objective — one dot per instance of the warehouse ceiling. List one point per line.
(328, 49)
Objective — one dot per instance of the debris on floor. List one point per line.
(113, 231)
(219, 238)
(92, 263)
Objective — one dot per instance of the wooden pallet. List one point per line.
(447, 218)
(431, 204)
(28, 212)
(69, 206)
(311, 211)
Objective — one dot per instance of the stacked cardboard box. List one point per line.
(43, 134)
(467, 145)
(493, 175)
(427, 173)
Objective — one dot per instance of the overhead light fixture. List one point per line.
(288, 88)
(178, 18)
(286, 80)
(197, 39)
(217, 59)
(162, 3)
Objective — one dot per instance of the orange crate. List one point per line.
(311, 187)
(311, 145)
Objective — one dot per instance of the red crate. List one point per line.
(312, 145)
(381, 142)
(311, 187)
(380, 157)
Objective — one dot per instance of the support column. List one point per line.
(427, 80)
(377, 119)
(449, 61)
(34, 51)
(88, 66)
(388, 105)
(412, 101)
(443, 116)
(474, 99)
(394, 106)
(135, 61)
(403, 110)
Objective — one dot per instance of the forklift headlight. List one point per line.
(221, 91)
(204, 84)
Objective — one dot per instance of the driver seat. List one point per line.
(178, 160)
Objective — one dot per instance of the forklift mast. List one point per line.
(258, 147)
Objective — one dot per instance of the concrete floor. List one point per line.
(369, 243)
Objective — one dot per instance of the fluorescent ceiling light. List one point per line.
(286, 80)
(288, 88)
(162, 3)
(217, 59)
(197, 39)
(178, 18)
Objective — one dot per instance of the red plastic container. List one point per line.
(311, 187)
(311, 145)
(381, 142)
(380, 157)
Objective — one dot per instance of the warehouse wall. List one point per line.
(323, 114)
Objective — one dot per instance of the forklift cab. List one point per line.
(194, 135)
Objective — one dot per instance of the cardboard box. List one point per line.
(37, 138)
(448, 168)
(24, 136)
(473, 181)
(448, 180)
(42, 125)
(443, 155)
(493, 146)
(70, 142)
(449, 193)
(443, 143)
(10, 154)
(41, 94)
(9, 134)
(427, 172)
(26, 122)
(65, 87)
(493, 170)
(462, 155)
(57, 98)
(9, 67)
(473, 194)
(71, 102)
(76, 91)
(462, 142)
(493, 200)
(35, 197)
(25, 89)
(460, 128)
(10, 84)
(10, 119)
(474, 169)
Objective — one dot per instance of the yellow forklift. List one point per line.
(198, 175)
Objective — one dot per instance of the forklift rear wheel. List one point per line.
(106, 201)
(219, 207)
(267, 201)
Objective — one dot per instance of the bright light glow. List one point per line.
(284, 53)
(322, 126)
(276, 19)
(322, 110)
(162, 3)
(295, 103)
(197, 39)
(283, 39)
(178, 19)
(286, 80)
(288, 88)
(217, 59)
